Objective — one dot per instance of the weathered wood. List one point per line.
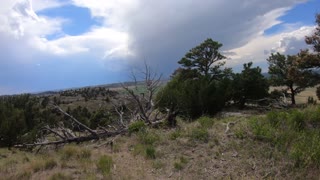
(76, 121)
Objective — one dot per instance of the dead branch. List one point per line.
(230, 124)
(75, 139)
(54, 132)
(76, 121)
(144, 100)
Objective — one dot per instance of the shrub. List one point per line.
(292, 136)
(275, 118)
(297, 120)
(175, 134)
(206, 122)
(105, 164)
(136, 127)
(200, 134)
(150, 152)
(179, 165)
(306, 151)
(148, 138)
(262, 129)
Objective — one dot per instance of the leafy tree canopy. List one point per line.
(249, 84)
(286, 71)
(203, 57)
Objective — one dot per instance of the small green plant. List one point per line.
(239, 133)
(262, 129)
(206, 122)
(175, 134)
(179, 165)
(199, 134)
(157, 164)
(275, 118)
(148, 138)
(105, 164)
(138, 149)
(297, 120)
(150, 152)
(136, 127)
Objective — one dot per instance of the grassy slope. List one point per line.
(198, 150)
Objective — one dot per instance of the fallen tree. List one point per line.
(138, 101)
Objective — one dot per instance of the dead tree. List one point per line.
(65, 135)
(142, 93)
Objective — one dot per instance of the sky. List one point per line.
(58, 44)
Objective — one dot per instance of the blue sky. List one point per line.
(55, 44)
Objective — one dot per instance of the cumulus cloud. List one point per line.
(260, 48)
(160, 32)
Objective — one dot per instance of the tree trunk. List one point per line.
(293, 100)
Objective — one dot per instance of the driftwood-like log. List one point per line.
(75, 139)
(93, 133)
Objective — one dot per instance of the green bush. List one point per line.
(206, 122)
(199, 134)
(175, 134)
(306, 151)
(148, 138)
(291, 133)
(150, 152)
(275, 118)
(137, 127)
(105, 164)
(262, 129)
(179, 165)
(297, 120)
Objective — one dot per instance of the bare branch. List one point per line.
(76, 121)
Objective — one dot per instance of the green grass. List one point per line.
(180, 164)
(206, 122)
(136, 127)
(105, 164)
(294, 132)
(199, 134)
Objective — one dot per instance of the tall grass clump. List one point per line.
(105, 164)
(206, 122)
(137, 127)
(293, 132)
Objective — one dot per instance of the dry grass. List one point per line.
(176, 154)
(302, 97)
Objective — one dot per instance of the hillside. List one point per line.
(204, 149)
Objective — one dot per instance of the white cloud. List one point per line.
(260, 48)
(164, 30)
(39, 5)
(159, 31)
